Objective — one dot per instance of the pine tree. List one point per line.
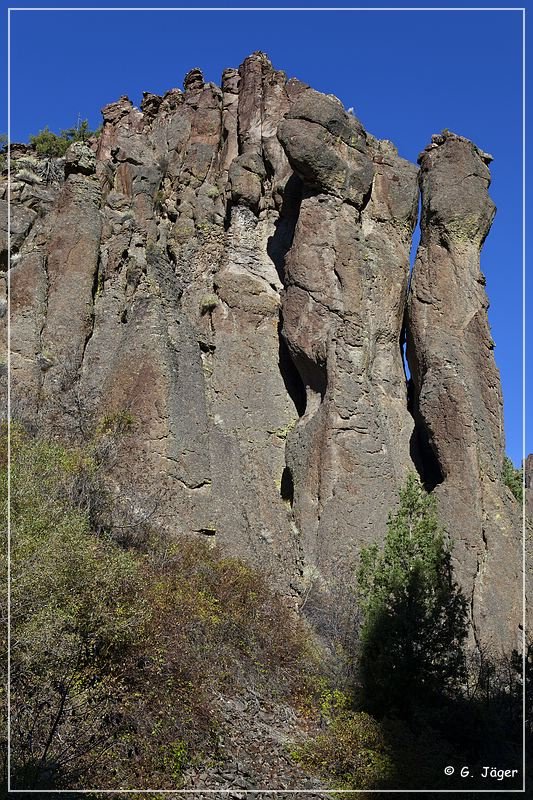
(512, 477)
(414, 615)
(53, 145)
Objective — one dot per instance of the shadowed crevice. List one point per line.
(287, 486)
(291, 377)
(278, 246)
(280, 242)
(421, 450)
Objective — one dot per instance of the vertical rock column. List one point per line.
(143, 356)
(29, 288)
(72, 268)
(250, 408)
(346, 280)
(457, 400)
(528, 470)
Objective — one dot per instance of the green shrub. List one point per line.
(75, 614)
(115, 423)
(351, 754)
(431, 703)
(116, 653)
(208, 302)
(3, 152)
(47, 143)
(513, 478)
(159, 201)
(414, 615)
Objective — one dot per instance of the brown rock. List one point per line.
(457, 399)
(528, 480)
(194, 80)
(346, 277)
(80, 159)
(155, 278)
(327, 147)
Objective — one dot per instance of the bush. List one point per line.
(117, 654)
(513, 478)
(3, 152)
(159, 201)
(208, 303)
(352, 753)
(75, 614)
(414, 615)
(432, 704)
(47, 143)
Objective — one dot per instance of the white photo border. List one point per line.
(265, 9)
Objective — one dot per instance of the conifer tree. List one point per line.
(414, 615)
(513, 477)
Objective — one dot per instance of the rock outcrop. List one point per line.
(343, 305)
(457, 402)
(528, 480)
(227, 267)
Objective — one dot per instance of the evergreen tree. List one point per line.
(3, 151)
(414, 615)
(512, 477)
(53, 145)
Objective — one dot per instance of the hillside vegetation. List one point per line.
(117, 653)
(120, 652)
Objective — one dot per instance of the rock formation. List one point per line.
(342, 310)
(528, 479)
(456, 399)
(229, 266)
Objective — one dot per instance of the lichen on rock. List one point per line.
(230, 265)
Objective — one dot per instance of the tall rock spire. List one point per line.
(343, 307)
(229, 268)
(457, 402)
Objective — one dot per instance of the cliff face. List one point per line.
(528, 469)
(230, 268)
(457, 398)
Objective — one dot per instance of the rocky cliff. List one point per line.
(229, 267)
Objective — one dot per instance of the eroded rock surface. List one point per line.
(528, 479)
(343, 306)
(457, 402)
(226, 270)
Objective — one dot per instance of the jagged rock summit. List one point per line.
(230, 265)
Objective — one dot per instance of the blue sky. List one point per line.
(407, 74)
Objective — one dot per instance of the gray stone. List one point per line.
(230, 268)
(457, 399)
